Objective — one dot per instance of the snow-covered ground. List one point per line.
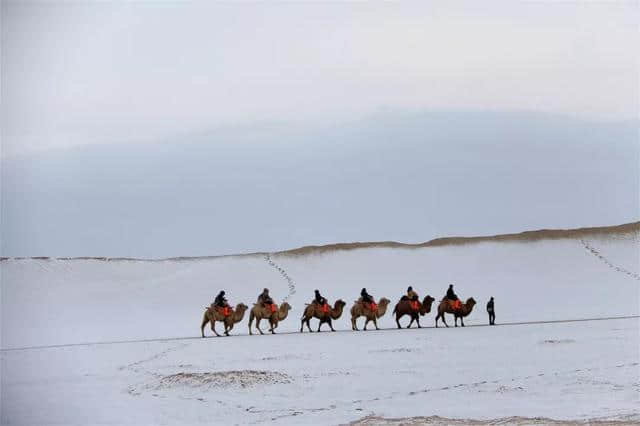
(563, 370)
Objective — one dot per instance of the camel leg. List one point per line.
(418, 321)
(302, 324)
(443, 320)
(258, 324)
(462, 321)
(455, 320)
(398, 322)
(331, 324)
(354, 326)
(250, 323)
(411, 322)
(205, 320)
(319, 325)
(273, 327)
(309, 324)
(375, 322)
(366, 321)
(437, 316)
(213, 327)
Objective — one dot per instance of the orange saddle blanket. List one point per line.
(415, 305)
(226, 310)
(325, 308)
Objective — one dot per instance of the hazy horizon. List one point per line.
(162, 129)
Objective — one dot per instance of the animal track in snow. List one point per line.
(607, 262)
(290, 283)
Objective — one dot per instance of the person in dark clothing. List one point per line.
(220, 301)
(319, 299)
(491, 312)
(450, 294)
(366, 297)
(264, 298)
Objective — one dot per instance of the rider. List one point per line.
(264, 298)
(319, 299)
(222, 304)
(412, 295)
(450, 294)
(220, 301)
(366, 297)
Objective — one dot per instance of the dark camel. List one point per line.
(405, 307)
(314, 310)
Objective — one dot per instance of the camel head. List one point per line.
(470, 302)
(428, 300)
(283, 311)
(384, 302)
(426, 305)
(339, 304)
(241, 307)
(285, 307)
(338, 307)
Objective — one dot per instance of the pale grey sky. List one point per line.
(160, 129)
(89, 72)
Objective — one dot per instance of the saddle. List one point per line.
(456, 304)
(373, 306)
(224, 310)
(415, 305)
(274, 308)
(325, 308)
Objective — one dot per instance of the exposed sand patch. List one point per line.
(222, 379)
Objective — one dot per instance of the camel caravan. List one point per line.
(366, 306)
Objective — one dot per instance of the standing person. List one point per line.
(491, 312)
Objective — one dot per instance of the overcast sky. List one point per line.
(103, 102)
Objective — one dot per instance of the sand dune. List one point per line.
(632, 228)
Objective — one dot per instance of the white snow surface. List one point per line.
(61, 319)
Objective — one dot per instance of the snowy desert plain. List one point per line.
(117, 341)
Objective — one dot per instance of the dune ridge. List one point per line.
(523, 237)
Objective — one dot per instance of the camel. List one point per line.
(211, 314)
(360, 309)
(314, 310)
(260, 312)
(445, 307)
(403, 307)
